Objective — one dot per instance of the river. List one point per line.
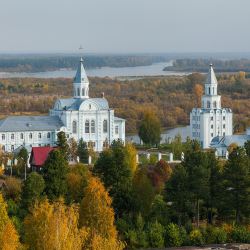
(155, 69)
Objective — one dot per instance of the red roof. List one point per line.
(39, 155)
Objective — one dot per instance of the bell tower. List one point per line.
(81, 82)
(211, 100)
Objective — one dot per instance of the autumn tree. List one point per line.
(32, 189)
(53, 226)
(96, 213)
(13, 188)
(198, 90)
(150, 129)
(130, 156)
(77, 179)
(9, 239)
(54, 173)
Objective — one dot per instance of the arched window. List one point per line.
(83, 91)
(74, 129)
(87, 126)
(78, 91)
(92, 126)
(208, 104)
(3, 137)
(39, 135)
(215, 104)
(21, 136)
(105, 126)
(12, 136)
(209, 90)
(48, 135)
(30, 135)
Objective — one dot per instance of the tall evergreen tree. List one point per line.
(54, 173)
(82, 151)
(236, 194)
(116, 174)
(32, 189)
(63, 144)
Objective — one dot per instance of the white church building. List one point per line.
(211, 120)
(79, 117)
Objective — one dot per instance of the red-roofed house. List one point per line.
(38, 157)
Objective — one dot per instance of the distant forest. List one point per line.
(201, 65)
(171, 98)
(40, 63)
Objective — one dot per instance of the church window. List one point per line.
(215, 104)
(39, 135)
(211, 118)
(78, 91)
(224, 125)
(89, 106)
(224, 118)
(48, 135)
(3, 137)
(209, 90)
(30, 135)
(213, 91)
(208, 104)
(212, 126)
(224, 133)
(92, 126)
(12, 136)
(105, 126)
(74, 127)
(83, 91)
(12, 147)
(87, 126)
(21, 136)
(3, 148)
(116, 130)
(212, 135)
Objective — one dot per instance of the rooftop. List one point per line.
(30, 123)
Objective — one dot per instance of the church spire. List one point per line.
(211, 78)
(211, 82)
(81, 82)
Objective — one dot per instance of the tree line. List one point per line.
(118, 203)
(171, 98)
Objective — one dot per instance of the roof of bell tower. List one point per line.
(81, 75)
(211, 78)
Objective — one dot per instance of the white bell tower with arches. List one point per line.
(81, 83)
(211, 119)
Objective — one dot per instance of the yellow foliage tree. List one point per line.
(97, 215)
(9, 239)
(198, 90)
(131, 156)
(53, 226)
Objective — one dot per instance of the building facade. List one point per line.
(211, 120)
(79, 117)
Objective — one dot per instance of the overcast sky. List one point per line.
(121, 26)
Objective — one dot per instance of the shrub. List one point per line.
(240, 235)
(173, 236)
(156, 234)
(215, 235)
(196, 237)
